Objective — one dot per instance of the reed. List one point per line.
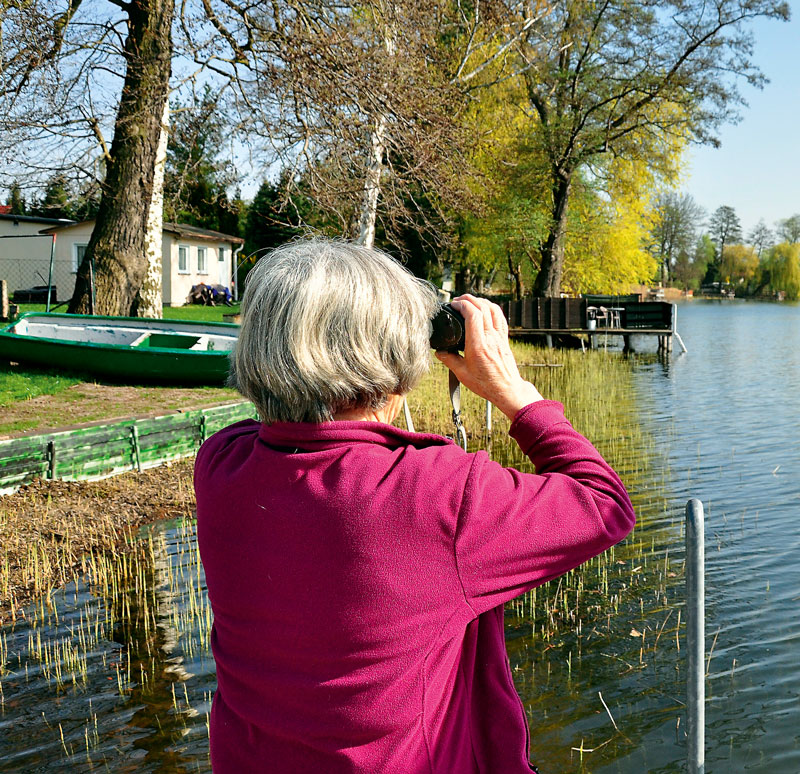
(147, 592)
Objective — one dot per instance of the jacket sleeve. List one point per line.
(517, 530)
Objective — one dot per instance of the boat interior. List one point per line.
(129, 333)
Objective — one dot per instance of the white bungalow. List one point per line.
(189, 256)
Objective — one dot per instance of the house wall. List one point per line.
(21, 259)
(177, 284)
(25, 262)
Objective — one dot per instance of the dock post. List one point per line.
(675, 333)
(695, 636)
(626, 344)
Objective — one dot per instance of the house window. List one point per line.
(202, 262)
(222, 253)
(78, 251)
(183, 259)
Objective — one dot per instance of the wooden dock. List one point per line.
(592, 317)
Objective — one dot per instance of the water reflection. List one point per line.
(126, 680)
(116, 673)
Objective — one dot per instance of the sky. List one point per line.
(757, 169)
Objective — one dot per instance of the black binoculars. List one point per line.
(447, 329)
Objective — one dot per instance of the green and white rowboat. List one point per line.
(129, 349)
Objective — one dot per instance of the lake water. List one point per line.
(116, 674)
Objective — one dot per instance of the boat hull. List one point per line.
(119, 362)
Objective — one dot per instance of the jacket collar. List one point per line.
(327, 435)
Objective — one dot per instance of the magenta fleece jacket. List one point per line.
(357, 575)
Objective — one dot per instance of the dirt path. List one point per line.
(87, 402)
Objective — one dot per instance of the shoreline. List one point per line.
(48, 528)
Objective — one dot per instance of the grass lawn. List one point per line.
(188, 312)
(33, 398)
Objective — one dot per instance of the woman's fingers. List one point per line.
(488, 367)
(499, 320)
(493, 317)
(473, 320)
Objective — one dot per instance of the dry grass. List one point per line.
(47, 528)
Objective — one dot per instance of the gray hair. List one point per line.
(329, 325)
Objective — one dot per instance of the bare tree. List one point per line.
(368, 103)
(117, 254)
(676, 220)
(789, 229)
(761, 237)
(61, 69)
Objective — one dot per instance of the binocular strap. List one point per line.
(455, 402)
(407, 414)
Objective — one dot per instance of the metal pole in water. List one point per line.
(695, 636)
(675, 327)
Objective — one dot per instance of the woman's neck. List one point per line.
(386, 413)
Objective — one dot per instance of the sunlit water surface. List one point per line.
(116, 674)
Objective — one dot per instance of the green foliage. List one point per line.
(56, 200)
(739, 265)
(62, 199)
(275, 216)
(606, 225)
(197, 177)
(628, 80)
(690, 267)
(781, 269)
(607, 231)
(16, 201)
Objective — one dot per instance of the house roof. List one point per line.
(185, 230)
(179, 229)
(36, 219)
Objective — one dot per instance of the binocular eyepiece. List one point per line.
(447, 329)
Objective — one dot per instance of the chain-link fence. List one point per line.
(32, 270)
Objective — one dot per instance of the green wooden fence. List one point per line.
(101, 450)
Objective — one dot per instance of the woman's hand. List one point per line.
(488, 367)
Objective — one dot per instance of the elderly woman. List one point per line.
(357, 572)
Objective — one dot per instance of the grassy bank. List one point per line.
(34, 399)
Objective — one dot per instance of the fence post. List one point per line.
(695, 636)
(50, 273)
(136, 451)
(4, 314)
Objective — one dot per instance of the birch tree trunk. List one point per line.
(150, 300)
(372, 182)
